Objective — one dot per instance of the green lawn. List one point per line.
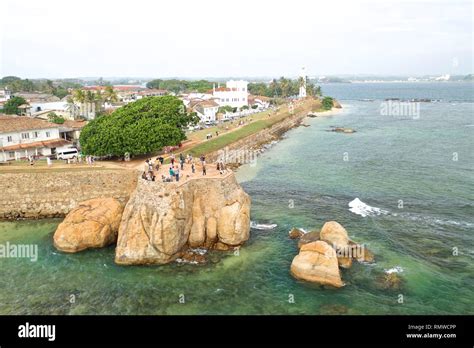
(223, 140)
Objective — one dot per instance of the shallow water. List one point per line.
(303, 181)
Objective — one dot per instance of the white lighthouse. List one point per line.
(303, 79)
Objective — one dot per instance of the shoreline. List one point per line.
(263, 147)
(47, 203)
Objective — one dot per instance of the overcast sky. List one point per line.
(189, 38)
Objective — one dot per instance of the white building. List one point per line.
(235, 94)
(23, 136)
(261, 102)
(5, 94)
(205, 109)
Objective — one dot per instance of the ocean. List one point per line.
(403, 184)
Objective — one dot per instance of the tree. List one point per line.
(179, 86)
(140, 127)
(52, 117)
(224, 109)
(12, 104)
(259, 88)
(60, 92)
(327, 103)
(72, 107)
(313, 90)
(109, 94)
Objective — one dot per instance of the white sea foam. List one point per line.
(396, 269)
(257, 226)
(360, 208)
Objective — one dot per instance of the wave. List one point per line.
(396, 269)
(257, 226)
(360, 208)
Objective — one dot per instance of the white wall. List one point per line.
(235, 98)
(16, 137)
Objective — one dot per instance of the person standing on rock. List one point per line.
(204, 168)
(161, 160)
(193, 167)
(172, 159)
(171, 173)
(177, 173)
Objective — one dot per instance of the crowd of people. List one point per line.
(177, 165)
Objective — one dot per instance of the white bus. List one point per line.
(67, 153)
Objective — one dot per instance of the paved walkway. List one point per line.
(186, 174)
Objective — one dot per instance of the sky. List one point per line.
(215, 38)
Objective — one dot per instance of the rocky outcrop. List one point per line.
(93, 224)
(342, 130)
(317, 262)
(336, 235)
(162, 220)
(332, 242)
(336, 104)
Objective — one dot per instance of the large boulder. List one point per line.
(162, 220)
(93, 224)
(317, 262)
(336, 235)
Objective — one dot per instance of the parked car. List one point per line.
(67, 153)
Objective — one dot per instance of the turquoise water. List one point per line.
(303, 181)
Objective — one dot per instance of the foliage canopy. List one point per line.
(141, 127)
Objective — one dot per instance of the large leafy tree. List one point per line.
(12, 104)
(178, 86)
(141, 127)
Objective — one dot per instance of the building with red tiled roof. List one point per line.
(205, 109)
(23, 136)
(235, 94)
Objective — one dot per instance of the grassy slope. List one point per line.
(262, 122)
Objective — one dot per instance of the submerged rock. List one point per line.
(317, 262)
(161, 220)
(295, 233)
(361, 253)
(309, 237)
(342, 130)
(93, 224)
(389, 281)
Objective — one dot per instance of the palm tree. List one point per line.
(98, 102)
(79, 96)
(72, 107)
(109, 94)
(90, 100)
